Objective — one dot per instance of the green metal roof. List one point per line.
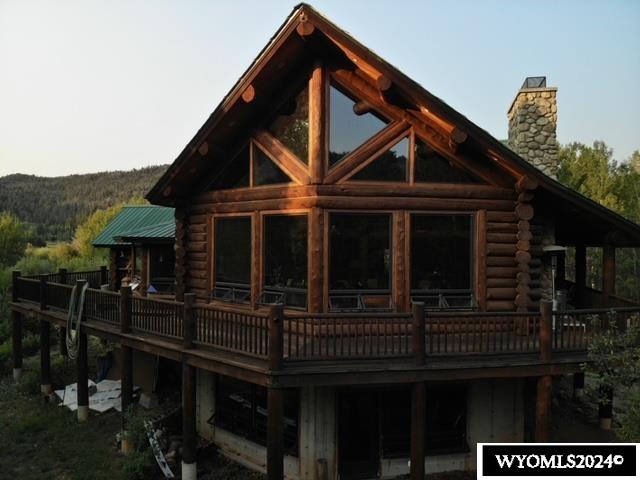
(131, 219)
(163, 232)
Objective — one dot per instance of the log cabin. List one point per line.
(367, 283)
(141, 241)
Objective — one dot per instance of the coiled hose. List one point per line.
(76, 305)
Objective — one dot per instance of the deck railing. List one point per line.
(298, 337)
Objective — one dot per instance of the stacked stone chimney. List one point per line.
(533, 118)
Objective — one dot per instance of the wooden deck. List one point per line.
(309, 348)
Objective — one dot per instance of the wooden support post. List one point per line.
(113, 269)
(605, 408)
(104, 275)
(45, 357)
(275, 337)
(543, 409)
(189, 438)
(418, 333)
(578, 384)
(189, 321)
(322, 469)
(82, 369)
(581, 276)
(608, 273)
(275, 434)
(125, 309)
(317, 130)
(144, 271)
(43, 292)
(16, 337)
(62, 333)
(14, 285)
(418, 423)
(545, 331)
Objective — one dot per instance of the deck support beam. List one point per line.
(189, 438)
(608, 273)
(16, 337)
(82, 370)
(45, 358)
(581, 276)
(418, 421)
(578, 385)
(62, 332)
(543, 409)
(275, 434)
(605, 408)
(126, 374)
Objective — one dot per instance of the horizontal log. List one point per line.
(501, 261)
(197, 265)
(195, 218)
(501, 249)
(524, 225)
(197, 246)
(197, 237)
(523, 289)
(501, 227)
(523, 301)
(522, 257)
(524, 235)
(500, 282)
(523, 245)
(525, 197)
(501, 293)
(502, 272)
(500, 237)
(500, 306)
(523, 277)
(197, 273)
(196, 228)
(201, 256)
(525, 184)
(197, 283)
(507, 216)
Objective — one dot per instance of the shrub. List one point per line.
(630, 419)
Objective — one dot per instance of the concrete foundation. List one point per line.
(83, 413)
(189, 471)
(495, 413)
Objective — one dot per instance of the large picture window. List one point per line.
(285, 260)
(232, 259)
(441, 260)
(360, 261)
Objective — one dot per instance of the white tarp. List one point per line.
(106, 396)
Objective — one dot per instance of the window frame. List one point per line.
(329, 293)
(418, 295)
(263, 289)
(214, 284)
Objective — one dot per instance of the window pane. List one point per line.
(446, 422)
(236, 174)
(431, 167)
(360, 251)
(285, 250)
(291, 126)
(233, 250)
(440, 252)
(265, 171)
(391, 166)
(348, 130)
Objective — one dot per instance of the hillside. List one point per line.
(55, 205)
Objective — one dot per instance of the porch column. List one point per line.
(578, 384)
(45, 357)
(16, 337)
(83, 377)
(275, 434)
(581, 275)
(543, 409)
(608, 273)
(418, 421)
(189, 438)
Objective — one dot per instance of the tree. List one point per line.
(13, 239)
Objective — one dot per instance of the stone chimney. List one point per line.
(533, 118)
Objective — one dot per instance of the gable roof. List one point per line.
(568, 201)
(133, 222)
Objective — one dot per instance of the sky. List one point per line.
(88, 86)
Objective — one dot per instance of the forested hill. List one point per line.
(54, 206)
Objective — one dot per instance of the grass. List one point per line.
(41, 440)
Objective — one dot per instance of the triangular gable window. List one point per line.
(390, 166)
(291, 125)
(236, 174)
(265, 170)
(347, 129)
(431, 167)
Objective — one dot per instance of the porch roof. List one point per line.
(136, 222)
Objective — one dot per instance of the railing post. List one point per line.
(14, 285)
(62, 338)
(275, 337)
(45, 358)
(545, 331)
(43, 292)
(103, 275)
(189, 321)
(62, 273)
(418, 333)
(16, 320)
(125, 309)
(83, 376)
